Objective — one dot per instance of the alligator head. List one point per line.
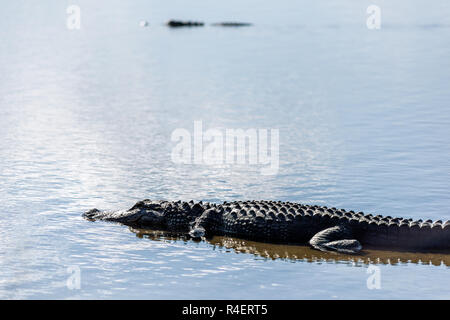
(152, 214)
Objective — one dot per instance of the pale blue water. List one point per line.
(86, 118)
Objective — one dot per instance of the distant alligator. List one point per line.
(326, 229)
(179, 23)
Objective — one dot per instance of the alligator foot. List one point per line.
(335, 239)
(197, 233)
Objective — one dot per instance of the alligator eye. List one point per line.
(144, 204)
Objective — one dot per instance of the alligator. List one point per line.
(179, 23)
(323, 228)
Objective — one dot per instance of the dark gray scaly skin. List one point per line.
(326, 229)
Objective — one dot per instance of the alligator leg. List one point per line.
(337, 238)
(205, 223)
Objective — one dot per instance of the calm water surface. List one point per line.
(86, 118)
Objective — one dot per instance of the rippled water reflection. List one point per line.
(294, 253)
(86, 118)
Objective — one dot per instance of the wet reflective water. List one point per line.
(86, 118)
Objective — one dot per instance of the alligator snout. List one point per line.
(91, 214)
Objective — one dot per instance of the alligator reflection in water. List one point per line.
(303, 253)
